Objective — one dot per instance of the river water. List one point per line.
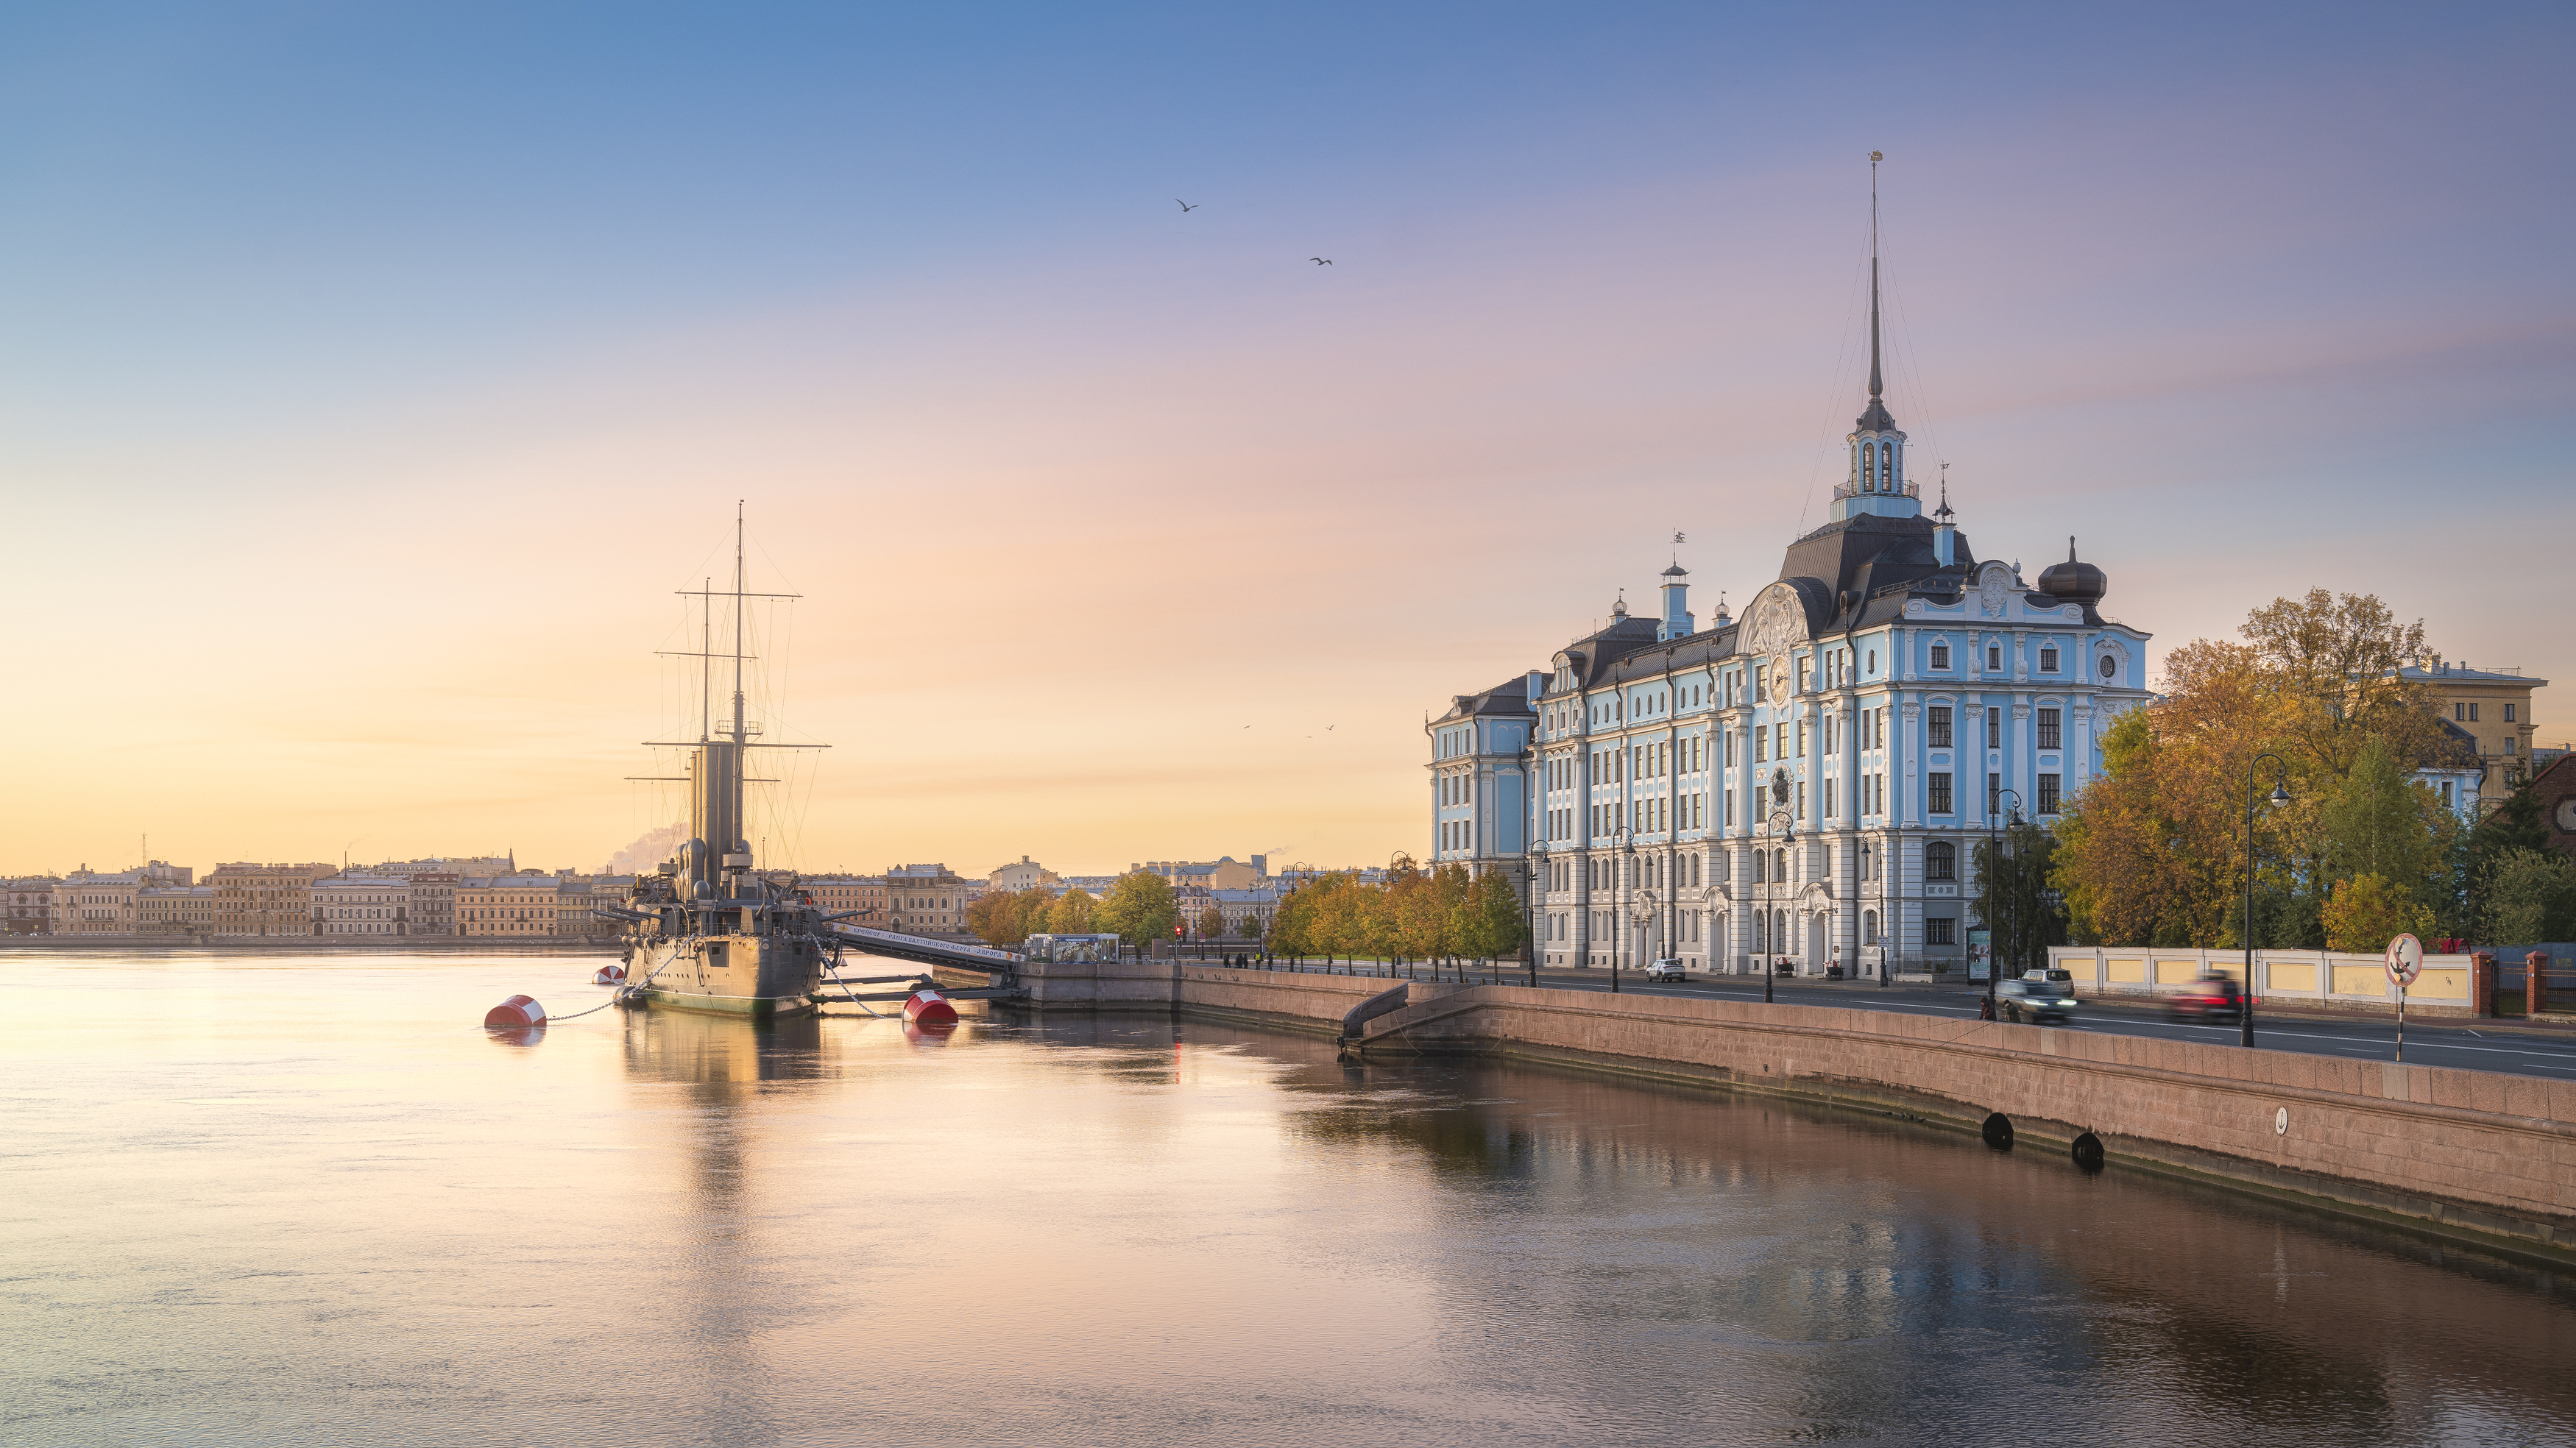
(310, 1201)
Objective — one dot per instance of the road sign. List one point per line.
(2405, 960)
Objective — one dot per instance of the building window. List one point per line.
(1940, 861)
(2048, 729)
(2473, 713)
(1994, 791)
(1940, 726)
(1994, 728)
(1943, 931)
(1940, 792)
(2508, 713)
(1940, 656)
(2048, 659)
(2446, 794)
(1994, 658)
(2048, 794)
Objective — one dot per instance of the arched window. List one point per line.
(1886, 464)
(1869, 927)
(1780, 866)
(1760, 869)
(1940, 861)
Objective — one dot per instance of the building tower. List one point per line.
(1877, 482)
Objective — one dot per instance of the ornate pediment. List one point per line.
(1995, 588)
(1776, 623)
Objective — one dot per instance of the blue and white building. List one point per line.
(1805, 784)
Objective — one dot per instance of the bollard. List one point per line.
(2535, 987)
(2482, 983)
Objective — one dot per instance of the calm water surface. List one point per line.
(257, 1200)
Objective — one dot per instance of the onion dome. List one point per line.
(2072, 581)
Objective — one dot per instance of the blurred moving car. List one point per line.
(2038, 1000)
(2210, 997)
(1666, 969)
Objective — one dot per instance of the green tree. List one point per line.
(1072, 913)
(2529, 897)
(1140, 907)
(2366, 912)
(1488, 924)
(1211, 922)
(2380, 821)
(2016, 899)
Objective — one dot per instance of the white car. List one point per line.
(1666, 969)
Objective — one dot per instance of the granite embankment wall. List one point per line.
(2476, 1156)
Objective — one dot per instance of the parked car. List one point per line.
(2037, 1000)
(1666, 969)
(2210, 997)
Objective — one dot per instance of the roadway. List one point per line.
(2509, 1047)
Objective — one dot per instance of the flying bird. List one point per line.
(1319, 261)
(1185, 206)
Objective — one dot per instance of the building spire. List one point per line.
(1875, 418)
(1875, 386)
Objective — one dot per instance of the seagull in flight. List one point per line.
(1319, 261)
(1185, 206)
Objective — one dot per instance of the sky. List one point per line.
(373, 377)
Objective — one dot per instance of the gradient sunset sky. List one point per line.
(371, 376)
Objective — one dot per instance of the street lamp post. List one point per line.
(2280, 797)
(1784, 831)
(1625, 864)
(1995, 809)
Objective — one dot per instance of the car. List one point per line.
(1667, 969)
(2214, 996)
(2036, 1000)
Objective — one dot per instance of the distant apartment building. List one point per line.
(1026, 875)
(256, 900)
(1242, 907)
(368, 906)
(508, 907)
(928, 899)
(433, 902)
(1222, 873)
(31, 905)
(2493, 709)
(576, 905)
(176, 910)
(863, 895)
(87, 903)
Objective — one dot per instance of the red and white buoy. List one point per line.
(515, 1014)
(929, 1008)
(609, 975)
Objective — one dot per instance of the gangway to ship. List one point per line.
(921, 950)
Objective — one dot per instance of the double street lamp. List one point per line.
(1784, 830)
(2280, 797)
(1996, 810)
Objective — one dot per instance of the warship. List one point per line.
(708, 931)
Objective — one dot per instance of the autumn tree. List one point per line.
(1141, 907)
(2337, 660)
(1072, 913)
(2365, 912)
(1004, 918)
(1211, 922)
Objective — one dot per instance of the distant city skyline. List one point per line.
(373, 381)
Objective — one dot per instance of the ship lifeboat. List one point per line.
(609, 975)
(518, 1013)
(928, 1008)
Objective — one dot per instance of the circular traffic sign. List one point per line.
(2405, 959)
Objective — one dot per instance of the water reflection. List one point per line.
(271, 1212)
